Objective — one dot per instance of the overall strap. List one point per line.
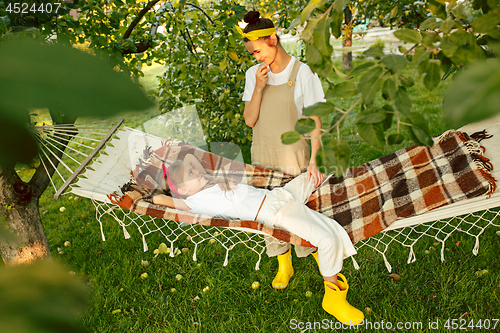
(293, 74)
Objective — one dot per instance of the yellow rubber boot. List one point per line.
(335, 303)
(315, 256)
(285, 270)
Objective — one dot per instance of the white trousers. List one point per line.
(285, 208)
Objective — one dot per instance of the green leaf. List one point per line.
(337, 116)
(408, 36)
(420, 129)
(182, 3)
(341, 75)
(422, 66)
(371, 88)
(459, 37)
(447, 25)
(17, 143)
(448, 47)
(313, 55)
(361, 68)
(388, 119)
(486, 23)
(450, 71)
(223, 64)
(35, 75)
(395, 138)
(375, 51)
(371, 117)
(431, 23)
(295, 22)
(336, 23)
(403, 102)
(407, 81)
(305, 125)
(473, 95)
(374, 72)
(373, 134)
(421, 54)
(319, 109)
(339, 5)
(288, 138)
(395, 63)
(463, 57)
(389, 89)
(308, 33)
(433, 75)
(41, 297)
(334, 157)
(311, 6)
(321, 37)
(394, 12)
(344, 90)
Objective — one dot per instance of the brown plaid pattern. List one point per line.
(365, 200)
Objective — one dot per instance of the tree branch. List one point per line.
(139, 18)
(201, 9)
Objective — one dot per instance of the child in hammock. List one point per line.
(193, 189)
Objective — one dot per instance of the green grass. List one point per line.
(428, 290)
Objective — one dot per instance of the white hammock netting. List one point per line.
(120, 153)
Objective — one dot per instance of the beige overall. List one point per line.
(277, 116)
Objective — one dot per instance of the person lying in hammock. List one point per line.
(193, 189)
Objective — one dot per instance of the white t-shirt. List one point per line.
(241, 202)
(308, 89)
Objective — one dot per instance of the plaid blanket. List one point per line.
(365, 200)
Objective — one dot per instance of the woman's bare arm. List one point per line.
(165, 200)
(195, 163)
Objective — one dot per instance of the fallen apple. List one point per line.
(67, 243)
(178, 277)
(256, 285)
(62, 209)
(144, 276)
(309, 293)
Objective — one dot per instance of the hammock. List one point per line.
(363, 201)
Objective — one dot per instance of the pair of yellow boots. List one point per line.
(334, 301)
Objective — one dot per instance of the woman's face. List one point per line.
(263, 49)
(193, 181)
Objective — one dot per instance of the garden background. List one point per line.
(393, 94)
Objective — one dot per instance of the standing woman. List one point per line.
(276, 91)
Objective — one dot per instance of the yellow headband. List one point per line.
(256, 34)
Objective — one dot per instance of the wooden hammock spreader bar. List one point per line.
(87, 160)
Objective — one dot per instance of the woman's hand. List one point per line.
(312, 170)
(261, 76)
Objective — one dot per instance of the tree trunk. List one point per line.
(347, 56)
(20, 214)
(347, 41)
(19, 211)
